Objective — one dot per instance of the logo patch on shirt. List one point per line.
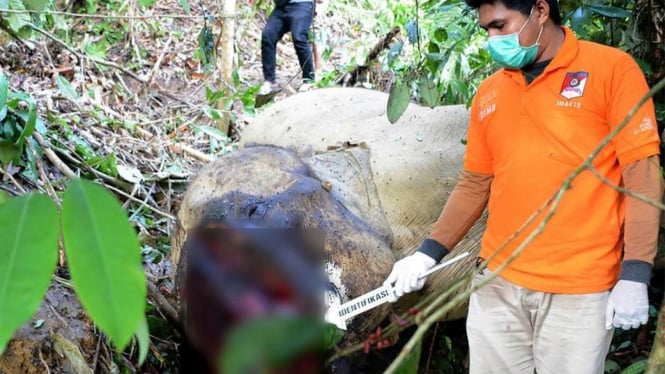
(573, 84)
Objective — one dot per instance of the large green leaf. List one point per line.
(104, 259)
(29, 252)
(410, 364)
(398, 101)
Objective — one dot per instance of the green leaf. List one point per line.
(146, 3)
(104, 259)
(29, 252)
(29, 124)
(412, 31)
(66, 88)
(410, 364)
(8, 151)
(580, 17)
(143, 337)
(4, 89)
(213, 132)
(395, 51)
(609, 11)
(185, 5)
(256, 345)
(637, 367)
(17, 20)
(429, 91)
(398, 101)
(37, 5)
(331, 336)
(441, 35)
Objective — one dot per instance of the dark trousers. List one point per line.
(296, 18)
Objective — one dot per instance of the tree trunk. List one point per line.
(226, 53)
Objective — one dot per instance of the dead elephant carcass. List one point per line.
(414, 163)
(274, 188)
(372, 187)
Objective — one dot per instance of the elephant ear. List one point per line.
(347, 174)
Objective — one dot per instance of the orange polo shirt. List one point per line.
(531, 138)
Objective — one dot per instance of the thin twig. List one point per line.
(57, 162)
(144, 202)
(14, 182)
(83, 56)
(177, 147)
(96, 356)
(151, 75)
(165, 306)
(64, 282)
(636, 195)
(41, 359)
(44, 178)
(55, 312)
(123, 193)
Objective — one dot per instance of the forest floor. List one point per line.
(127, 101)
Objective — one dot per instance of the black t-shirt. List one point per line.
(532, 71)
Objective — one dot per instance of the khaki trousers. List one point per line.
(514, 330)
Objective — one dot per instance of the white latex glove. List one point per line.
(627, 305)
(406, 272)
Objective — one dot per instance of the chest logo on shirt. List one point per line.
(573, 84)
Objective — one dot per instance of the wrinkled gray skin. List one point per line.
(375, 188)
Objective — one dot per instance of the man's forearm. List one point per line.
(463, 208)
(642, 219)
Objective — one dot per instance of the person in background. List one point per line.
(532, 123)
(293, 16)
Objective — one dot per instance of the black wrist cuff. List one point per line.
(433, 249)
(635, 270)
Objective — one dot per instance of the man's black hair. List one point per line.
(523, 6)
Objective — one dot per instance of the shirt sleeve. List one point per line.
(642, 219)
(463, 208)
(639, 138)
(477, 157)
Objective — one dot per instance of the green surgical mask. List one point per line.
(507, 51)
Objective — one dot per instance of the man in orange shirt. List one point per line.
(552, 309)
